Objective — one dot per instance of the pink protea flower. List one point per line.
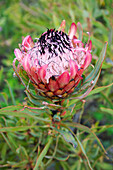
(55, 62)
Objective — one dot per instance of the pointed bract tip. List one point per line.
(28, 42)
(25, 63)
(62, 26)
(87, 60)
(73, 69)
(72, 30)
(63, 79)
(42, 73)
(90, 45)
(18, 54)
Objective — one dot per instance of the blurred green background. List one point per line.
(19, 18)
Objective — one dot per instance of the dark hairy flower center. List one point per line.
(54, 41)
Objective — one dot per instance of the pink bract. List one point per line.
(54, 63)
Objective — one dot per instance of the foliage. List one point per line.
(27, 133)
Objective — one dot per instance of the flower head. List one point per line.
(55, 62)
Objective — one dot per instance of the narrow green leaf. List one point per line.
(22, 151)
(101, 129)
(42, 154)
(107, 110)
(54, 153)
(107, 99)
(98, 64)
(61, 158)
(85, 128)
(64, 165)
(21, 128)
(99, 89)
(11, 93)
(68, 137)
(5, 97)
(80, 144)
(104, 166)
(72, 101)
(35, 100)
(87, 91)
(12, 140)
(12, 108)
(13, 111)
(17, 128)
(80, 30)
(4, 151)
(18, 165)
(1, 74)
(8, 142)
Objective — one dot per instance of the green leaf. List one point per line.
(65, 165)
(104, 166)
(17, 128)
(87, 91)
(80, 144)
(11, 93)
(79, 27)
(101, 129)
(99, 89)
(8, 142)
(98, 65)
(42, 154)
(4, 151)
(1, 74)
(61, 158)
(107, 110)
(5, 97)
(12, 140)
(107, 99)
(68, 137)
(18, 165)
(86, 129)
(18, 112)
(72, 101)
(22, 151)
(35, 99)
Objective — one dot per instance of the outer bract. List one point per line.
(55, 62)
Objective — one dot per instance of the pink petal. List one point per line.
(63, 79)
(33, 73)
(53, 85)
(90, 45)
(62, 26)
(73, 69)
(18, 54)
(80, 49)
(87, 59)
(28, 42)
(42, 73)
(25, 63)
(74, 38)
(72, 30)
(78, 42)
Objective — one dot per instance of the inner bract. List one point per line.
(54, 49)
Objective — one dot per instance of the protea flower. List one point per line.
(55, 62)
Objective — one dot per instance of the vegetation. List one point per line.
(23, 134)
